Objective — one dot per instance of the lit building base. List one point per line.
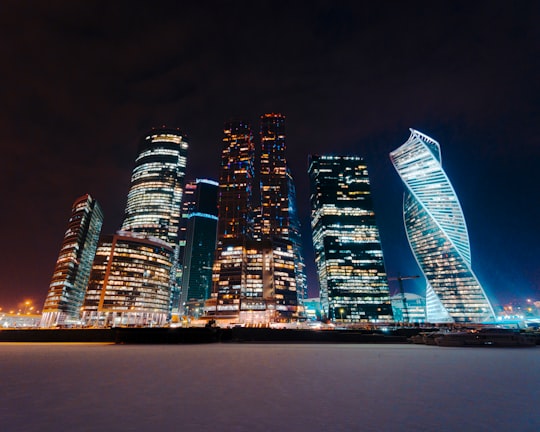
(193, 308)
(120, 319)
(253, 318)
(58, 319)
(250, 312)
(53, 319)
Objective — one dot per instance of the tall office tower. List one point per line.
(296, 239)
(279, 216)
(155, 196)
(72, 270)
(274, 183)
(188, 203)
(198, 258)
(236, 180)
(437, 234)
(130, 281)
(254, 271)
(235, 220)
(348, 253)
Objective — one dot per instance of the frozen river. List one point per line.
(267, 387)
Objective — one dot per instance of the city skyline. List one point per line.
(347, 76)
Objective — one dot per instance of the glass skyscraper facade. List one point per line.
(278, 211)
(235, 220)
(437, 234)
(72, 271)
(133, 280)
(200, 246)
(348, 252)
(258, 261)
(155, 195)
(274, 184)
(236, 182)
(188, 203)
(296, 239)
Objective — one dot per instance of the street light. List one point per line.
(27, 304)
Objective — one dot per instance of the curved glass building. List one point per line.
(155, 196)
(130, 282)
(437, 234)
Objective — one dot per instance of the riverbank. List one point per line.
(193, 335)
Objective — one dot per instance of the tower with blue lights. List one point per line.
(348, 251)
(200, 246)
(235, 221)
(278, 209)
(258, 263)
(437, 234)
(72, 271)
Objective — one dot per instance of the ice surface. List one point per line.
(267, 387)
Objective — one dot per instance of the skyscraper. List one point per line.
(348, 253)
(236, 181)
(188, 203)
(155, 195)
(258, 262)
(133, 279)
(297, 244)
(274, 183)
(72, 270)
(438, 235)
(198, 258)
(235, 221)
(279, 216)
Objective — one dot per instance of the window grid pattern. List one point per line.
(437, 234)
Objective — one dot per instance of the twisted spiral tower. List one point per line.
(437, 234)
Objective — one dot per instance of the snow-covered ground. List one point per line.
(267, 387)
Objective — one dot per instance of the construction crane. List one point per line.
(400, 280)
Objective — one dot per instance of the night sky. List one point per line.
(81, 82)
